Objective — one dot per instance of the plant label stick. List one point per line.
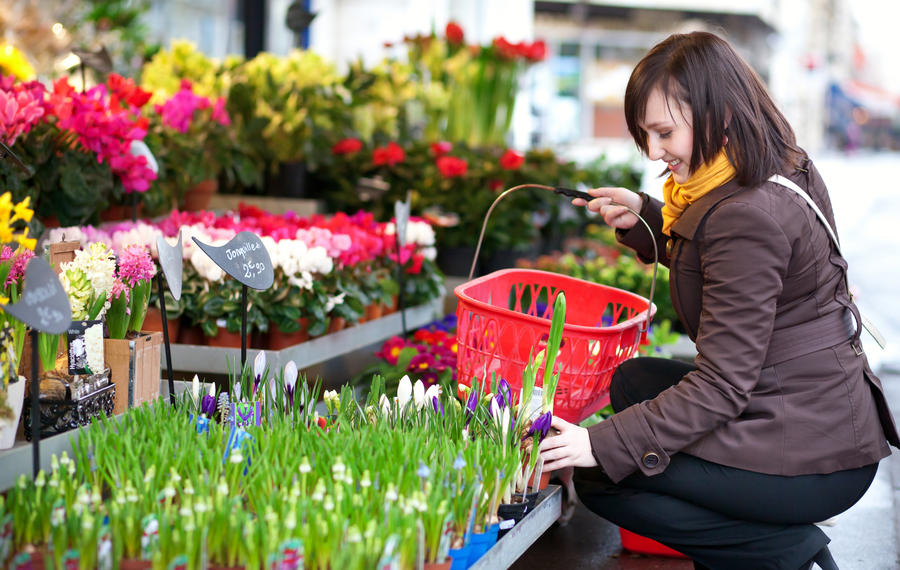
(171, 261)
(401, 216)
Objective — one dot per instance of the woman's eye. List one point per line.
(665, 135)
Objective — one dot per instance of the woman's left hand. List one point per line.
(571, 448)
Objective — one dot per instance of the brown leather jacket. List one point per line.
(779, 386)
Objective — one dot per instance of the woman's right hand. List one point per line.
(615, 216)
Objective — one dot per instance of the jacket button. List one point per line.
(650, 460)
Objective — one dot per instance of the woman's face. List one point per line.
(670, 134)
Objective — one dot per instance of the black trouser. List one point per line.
(722, 517)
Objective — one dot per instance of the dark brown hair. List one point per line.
(703, 71)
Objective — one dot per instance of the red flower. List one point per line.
(505, 49)
(451, 166)
(495, 185)
(347, 146)
(536, 51)
(512, 160)
(389, 155)
(441, 148)
(454, 33)
(390, 350)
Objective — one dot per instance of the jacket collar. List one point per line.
(690, 219)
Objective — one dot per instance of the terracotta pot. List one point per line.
(50, 221)
(199, 196)
(135, 564)
(279, 340)
(445, 565)
(337, 324)
(374, 311)
(191, 335)
(225, 339)
(153, 322)
(115, 212)
(542, 484)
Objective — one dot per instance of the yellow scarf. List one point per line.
(707, 177)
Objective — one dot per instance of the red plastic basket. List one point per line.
(642, 545)
(505, 316)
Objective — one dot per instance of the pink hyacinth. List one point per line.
(6, 253)
(135, 265)
(118, 288)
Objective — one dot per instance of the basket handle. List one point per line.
(572, 194)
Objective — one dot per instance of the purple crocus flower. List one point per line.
(471, 404)
(541, 426)
(504, 393)
(437, 405)
(208, 405)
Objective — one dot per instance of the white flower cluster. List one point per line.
(419, 233)
(93, 346)
(298, 261)
(98, 266)
(142, 234)
(205, 266)
(332, 302)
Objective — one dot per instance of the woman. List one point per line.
(779, 422)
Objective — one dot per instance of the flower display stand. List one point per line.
(214, 360)
(515, 542)
(135, 368)
(58, 416)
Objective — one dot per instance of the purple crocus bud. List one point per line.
(471, 404)
(504, 391)
(208, 405)
(259, 368)
(541, 426)
(290, 381)
(437, 405)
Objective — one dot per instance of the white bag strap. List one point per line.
(787, 183)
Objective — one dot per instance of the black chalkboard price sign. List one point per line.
(171, 260)
(44, 305)
(245, 258)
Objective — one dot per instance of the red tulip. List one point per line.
(454, 33)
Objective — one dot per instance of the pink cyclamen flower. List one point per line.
(136, 265)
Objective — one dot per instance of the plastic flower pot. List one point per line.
(460, 557)
(225, 339)
(511, 512)
(279, 340)
(481, 542)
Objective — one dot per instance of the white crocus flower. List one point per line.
(404, 391)
(259, 366)
(419, 394)
(195, 388)
(433, 391)
(385, 404)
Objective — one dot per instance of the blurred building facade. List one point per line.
(805, 50)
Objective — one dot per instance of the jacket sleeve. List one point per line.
(744, 256)
(637, 237)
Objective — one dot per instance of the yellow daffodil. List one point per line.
(13, 62)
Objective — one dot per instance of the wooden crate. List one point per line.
(134, 368)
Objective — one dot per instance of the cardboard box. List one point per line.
(134, 368)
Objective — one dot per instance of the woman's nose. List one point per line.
(654, 150)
